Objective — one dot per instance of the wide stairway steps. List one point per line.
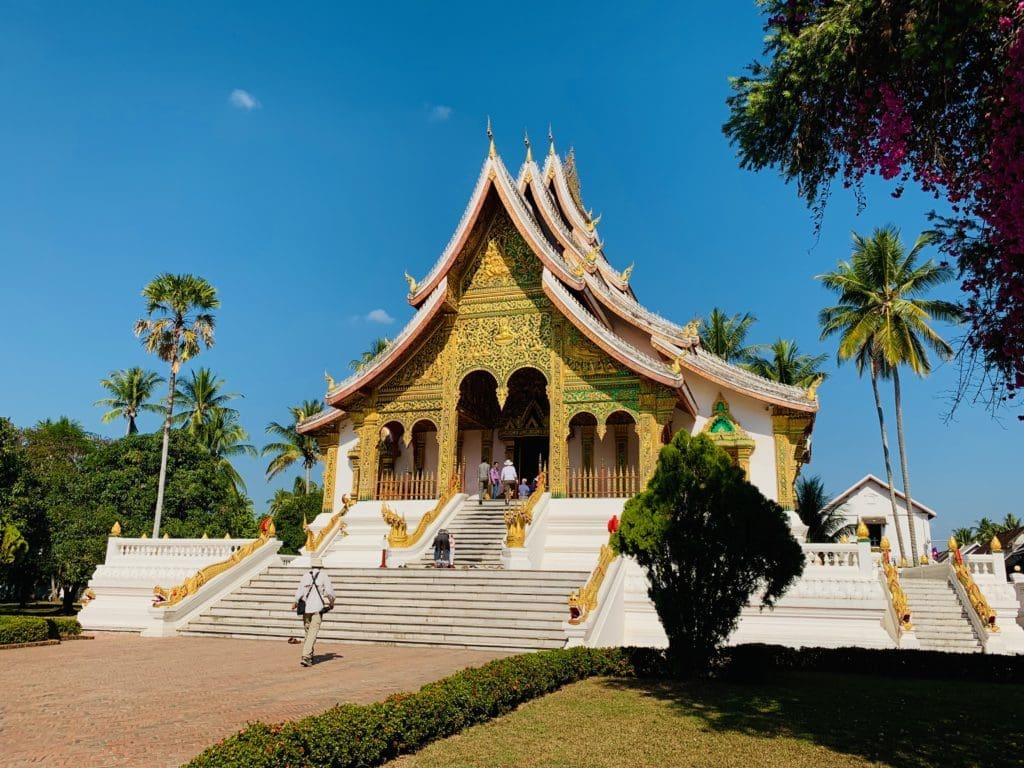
(501, 610)
(479, 531)
(940, 622)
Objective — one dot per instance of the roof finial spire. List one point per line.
(526, 141)
(491, 152)
(551, 141)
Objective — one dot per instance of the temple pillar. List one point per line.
(656, 407)
(447, 437)
(369, 455)
(791, 430)
(328, 445)
(558, 428)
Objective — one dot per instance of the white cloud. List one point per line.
(439, 113)
(379, 316)
(243, 100)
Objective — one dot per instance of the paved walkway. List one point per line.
(124, 700)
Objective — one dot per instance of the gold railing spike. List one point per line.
(115, 530)
(995, 545)
(165, 536)
(204, 536)
(862, 531)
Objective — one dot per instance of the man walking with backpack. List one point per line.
(313, 598)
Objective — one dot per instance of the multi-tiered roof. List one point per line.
(545, 206)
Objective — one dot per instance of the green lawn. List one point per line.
(39, 608)
(797, 719)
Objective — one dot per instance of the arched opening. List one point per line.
(407, 463)
(478, 412)
(582, 479)
(606, 462)
(524, 426)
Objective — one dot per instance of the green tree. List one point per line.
(824, 524)
(21, 509)
(964, 536)
(12, 543)
(918, 91)
(291, 509)
(726, 336)
(201, 399)
(224, 438)
(883, 324)
(130, 392)
(708, 541)
(179, 322)
(376, 347)
(787, 366)
(292, 446)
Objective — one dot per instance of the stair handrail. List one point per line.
(315, 540)
(521, 515)
(398, 535)
(961, 575)
(582, 602)
(165, 598)
(897, 597)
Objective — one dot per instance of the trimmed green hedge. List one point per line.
(63, 626)
(367, 735)
(22, 629)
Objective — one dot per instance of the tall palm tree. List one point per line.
(130, 392)
(201, 399)
(292, 446)
(882, 321)
(224, 438)
(726, 336)
(787, 366)
(823, 525)
(178, 324)
(964, 536)
(378, 346)
(1010, 522)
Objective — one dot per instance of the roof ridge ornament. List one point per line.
(626, 273)
(491, 152)
(551, 142)
(413, 285)
(526, 141)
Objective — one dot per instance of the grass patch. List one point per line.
(787, 719)
(38, 608)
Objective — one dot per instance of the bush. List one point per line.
(367, 735)
(22, 629)
(60, 627)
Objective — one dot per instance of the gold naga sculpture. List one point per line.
(330, 385)
(626, 273)
(315, 540)
(521, 515)
(413, 285)
(583, 601)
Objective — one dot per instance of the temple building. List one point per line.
(527, 344)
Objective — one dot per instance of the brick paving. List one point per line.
(125, 700)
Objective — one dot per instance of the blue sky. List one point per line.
(302, 158)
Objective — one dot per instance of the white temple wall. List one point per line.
(871, 504)
(472, 444)
(344, 473)
(756, 419)
(682, 420)
(430, 452)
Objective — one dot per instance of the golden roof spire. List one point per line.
(551, 141)
(491, 152)
(526, 141)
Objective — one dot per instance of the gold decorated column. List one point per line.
(369, 450)
(790, 429)
(328, 445)
(558, 427)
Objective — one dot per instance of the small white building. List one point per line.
(868, 500)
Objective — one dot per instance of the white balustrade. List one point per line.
(832, 555)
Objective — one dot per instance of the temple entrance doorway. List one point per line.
(525, 424)
(531, 453)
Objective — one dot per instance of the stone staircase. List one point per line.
(488, 609)
(940, 622)
(479, 531)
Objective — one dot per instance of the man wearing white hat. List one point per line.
(313, 598)
(509, 479)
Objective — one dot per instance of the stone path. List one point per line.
(124, 700)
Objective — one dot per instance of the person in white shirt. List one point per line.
(317, 594)
(509, 479)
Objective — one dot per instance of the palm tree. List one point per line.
(787, 366)
(964, 536)
(726, 336)
(179, 322)
(293, 446)
(883, 322)
(1010, 522)
(824, 525)
(378, 346)
(130, 392)
(224, 437)
(202, 399)
(986, 529)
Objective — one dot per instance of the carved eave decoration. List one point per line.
(494, 176)
(322, 423)
(395, 352)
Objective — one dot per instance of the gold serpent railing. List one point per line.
(583, 601)
(165, 598)
(977, 600)
(315, 540)
(896, 594)
(398, 535)
(521, 515)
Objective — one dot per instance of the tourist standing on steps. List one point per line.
(524, 489)
(483, 473)
(509, 478)
(495, 481)
(316, 590)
